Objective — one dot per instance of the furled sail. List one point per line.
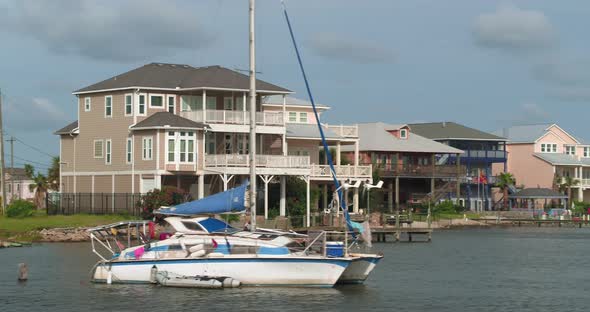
(230, 201)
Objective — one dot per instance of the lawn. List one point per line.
(17, 226)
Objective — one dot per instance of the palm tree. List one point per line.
(566, 183)
(504, 181)
(39, 185)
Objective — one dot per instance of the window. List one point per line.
(146, 148)
(108, 106)
(98, 148)
(211, 102)
(141, 105)
(292, 116)
(157, 101)
(570, 150)
(586, 151)
(403, 133)
(181, 147)
(229, 138)
(87, 104)
(128, 104)
(210, 143)
(303, 117)
(108, 153)
(189, 103)
(129, 151)
(548, 148)
(228, 103)
(240, 103)
(243, 143)
(171, 104)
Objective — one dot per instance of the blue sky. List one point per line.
(485, 64)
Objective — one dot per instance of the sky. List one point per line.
(485, 64)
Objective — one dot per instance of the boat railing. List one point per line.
(108, 236)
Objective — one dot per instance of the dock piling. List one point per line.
(23, 272)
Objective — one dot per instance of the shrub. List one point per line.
(20, 208)
(167, 196)
(580, 207)
(447, 207)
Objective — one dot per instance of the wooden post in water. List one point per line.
(23, 272)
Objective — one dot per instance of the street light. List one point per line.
(368, 187)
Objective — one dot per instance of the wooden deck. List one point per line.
(538, 223)
(381, 234)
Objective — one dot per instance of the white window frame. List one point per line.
(403, 133)
(301, 116)
(567, 150)
(128, 105)
(178, 137)
(211, 137)
(105, 106)
(173, 97)
(87, 104)
(549, 148)
(108, 155)
(586, 152)
(129, 151)
(101, 148)
(291, 114)
(139, 105)
(147, 152)
(164, 106)
(229, 103)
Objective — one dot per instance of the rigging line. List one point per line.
(315, 112)
(33, 147)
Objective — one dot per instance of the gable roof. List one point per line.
(309, 131)
(290, 101)
(68, 129)
(449, 130)
(374, 137)
(181, 77)
(17, 173)
(563, 159)
(524, 133)
(167, 120)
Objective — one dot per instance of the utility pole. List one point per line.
(11, 140)
(252, 102)
(2, 172)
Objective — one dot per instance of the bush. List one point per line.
(167, 196)
(580, 207)
(447, 207)
(20, 208)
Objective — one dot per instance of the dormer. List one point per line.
(401, 132)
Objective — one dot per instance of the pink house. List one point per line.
(537, 154)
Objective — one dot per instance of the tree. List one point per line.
(505, 180)
(39, 185)
(566, 183)
(53, 174)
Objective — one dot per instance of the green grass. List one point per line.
(23, 226)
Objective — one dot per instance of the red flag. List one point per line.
(214, 243)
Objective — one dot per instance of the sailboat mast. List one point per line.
(252, 101)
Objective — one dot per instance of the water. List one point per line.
(518, 269)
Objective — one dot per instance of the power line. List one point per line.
(33, 162)
(33, 147)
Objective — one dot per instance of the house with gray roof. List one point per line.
(542, 155)
(482, 151)
(187, 127)
(408, 163)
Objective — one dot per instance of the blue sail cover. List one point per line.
(230, 201)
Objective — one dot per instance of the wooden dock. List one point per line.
(533, 222)
(380, 234)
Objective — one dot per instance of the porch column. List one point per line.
(432, 186)
(283, 200)
(284, 110)
(338, 160)
(356, 153)
(390, 197)
(355, 200)
(458, 177)
(397, 193)
(325, 196)
(201, 186)
(266, 179)
(307, 202)
(178, 182)
(580, 185)
(225, 178)
(204, 105)
(244, 101)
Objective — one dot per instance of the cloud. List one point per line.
(33, 115)
(513, 29)
(107, 30)
(571, 93)
(334, 47)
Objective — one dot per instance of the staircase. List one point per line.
(439, 192)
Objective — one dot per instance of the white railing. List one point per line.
(268, 161)
(344, 131)
(584, 182)
(345, 171)
(235, 117)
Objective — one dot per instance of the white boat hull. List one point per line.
(359, 269)
(250, 271)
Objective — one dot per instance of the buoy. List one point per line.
(23, 272)
(109, 277)
(153, 274)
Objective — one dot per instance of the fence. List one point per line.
(93, 203)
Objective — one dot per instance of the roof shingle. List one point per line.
(451, 131)
(167, 120)
(67, 129)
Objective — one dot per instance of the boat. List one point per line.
(170, 279)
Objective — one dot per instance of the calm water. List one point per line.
(545, 269)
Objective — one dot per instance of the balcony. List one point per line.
(231, 117)
(482, 155)
(269, 161)
(422, 171)
(344, 131)
(346, 171)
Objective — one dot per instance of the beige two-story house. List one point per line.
(188, 127)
